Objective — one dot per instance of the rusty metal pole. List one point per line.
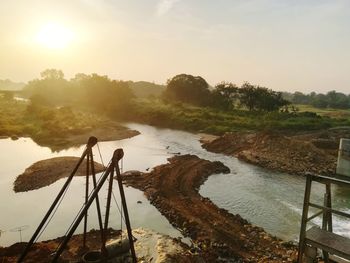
(86, 197)
(125, 208)
(304, 218)
(87, 206)
(91, 142)
(109, 197)
(99, 215)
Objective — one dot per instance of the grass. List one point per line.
(43, 124)
(327, 112)
(196, 119)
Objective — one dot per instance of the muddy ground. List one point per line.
(173, 189)
(149, 246)
(46, 172)
(108, 131)
(295, 153)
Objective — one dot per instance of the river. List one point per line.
(268, 199)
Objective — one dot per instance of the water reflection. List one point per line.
(268, 199)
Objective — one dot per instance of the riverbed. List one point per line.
(268, 199)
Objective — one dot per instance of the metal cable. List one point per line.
(99, 152)
(82, 207)
(54, 211)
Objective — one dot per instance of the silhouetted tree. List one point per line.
(260, 98)
(52, 74)
(188, 89)
(224, 95)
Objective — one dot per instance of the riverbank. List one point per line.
(294, 153)
(106, 131)
(173, 189)
(46, 172)
(149, 246)
(57, 127)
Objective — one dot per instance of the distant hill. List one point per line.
(7, 84)
(145, 89)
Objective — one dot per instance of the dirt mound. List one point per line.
(41, 252)
(292, 153)
(173, 189)
(150, 247)
(46, 172)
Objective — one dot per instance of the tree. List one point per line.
(188, 89)
(320, 101)
(224, 95)
(260, 98)
(52, 87)
(52, 74)
(248, 96)
(300, 98)
(101, 93)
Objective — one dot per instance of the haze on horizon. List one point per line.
(281, 44)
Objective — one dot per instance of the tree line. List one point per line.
(110, 96)
(332, 99)
(225, 95)
(94, 91)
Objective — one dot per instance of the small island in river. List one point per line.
(46, 172)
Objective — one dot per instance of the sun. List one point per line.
(54, 36)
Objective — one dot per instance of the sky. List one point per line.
(285, 45)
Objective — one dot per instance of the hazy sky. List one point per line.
(282, 44)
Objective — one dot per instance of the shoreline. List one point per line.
(292, 153)
(107, 132)
(46, 172)
(173, 189)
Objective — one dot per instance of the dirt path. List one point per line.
(314, 152)
(46, 172)
(173, 189)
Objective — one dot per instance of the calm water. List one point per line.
(267, 199)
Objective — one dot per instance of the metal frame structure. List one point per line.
(324, 238)
(89, 199)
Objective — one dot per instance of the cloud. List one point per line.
(164, 6)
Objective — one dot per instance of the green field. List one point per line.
(328, 112)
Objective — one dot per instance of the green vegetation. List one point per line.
(144, 89)
(44, 124)
(98, 93)
(325, 112)
(59, 108)
(331, 100)
(210, 120)
(7, 84)
(225, 96)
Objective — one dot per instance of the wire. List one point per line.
(54, 211)
(99, 152)
(53, 214)
(119, 209)
(81, 208)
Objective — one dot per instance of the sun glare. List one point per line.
(54, 36)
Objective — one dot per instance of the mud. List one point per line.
(149, 246)
(217, 234)
(294, 153)
(107, 131)
(46, 172)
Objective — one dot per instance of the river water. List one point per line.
(268, 199)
